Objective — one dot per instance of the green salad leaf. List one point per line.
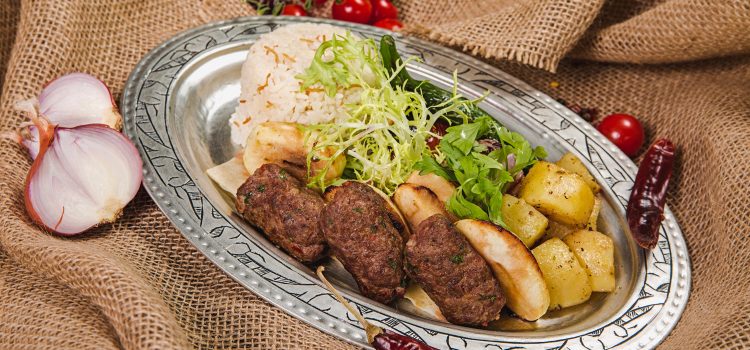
(515, 143)
(482, 175)
(463, 136)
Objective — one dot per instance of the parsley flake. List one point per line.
(393, 264)
(458, 258)
(491, 298)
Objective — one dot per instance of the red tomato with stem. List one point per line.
(383, 9)
(293, 10)
(624, 130)
(357, 11)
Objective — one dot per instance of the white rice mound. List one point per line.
(269, 89)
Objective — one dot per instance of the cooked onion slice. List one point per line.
(82, 177)
(229, 175)
(422, 304)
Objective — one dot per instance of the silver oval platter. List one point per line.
(177, 103)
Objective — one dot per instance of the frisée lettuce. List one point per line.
(386, 130)
(384, 137)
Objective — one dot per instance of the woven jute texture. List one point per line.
(137, 284)
(540, 32)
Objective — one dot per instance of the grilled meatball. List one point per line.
(359, 230)
(286, 210)
(452, 273)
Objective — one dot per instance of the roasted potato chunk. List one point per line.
(566, 279)
(559, 230)
(442, 188)
(527, 223)
(417, 203)
(595, 252)
(513, 265)
(560, 195)
(573, 164)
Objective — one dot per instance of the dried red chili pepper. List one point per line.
(379, 338)
(646, 205)
(393, 341)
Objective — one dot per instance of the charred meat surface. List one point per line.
(286, 211)
(452, 273)
(358, 227)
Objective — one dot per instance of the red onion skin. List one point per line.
(31, 143)
(46, 137)
(46, 133)
(515, 186)
(511, 161)
(490, 144)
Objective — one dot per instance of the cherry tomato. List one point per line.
(390, 24)
(439, 129)
(357, 11)
(382, 9)
(293, 10)
(624, 130)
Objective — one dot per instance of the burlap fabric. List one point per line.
(137, 284)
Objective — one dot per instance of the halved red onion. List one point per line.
(72, 100)
(79, 99)
(82, 177)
